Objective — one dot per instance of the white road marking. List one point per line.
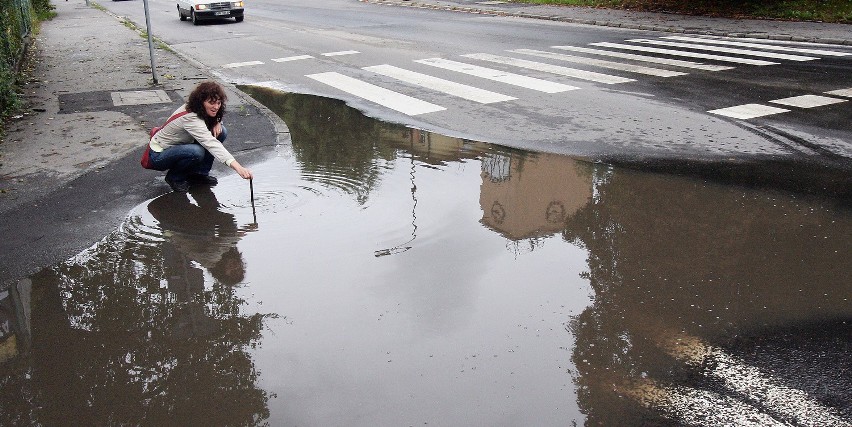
(788, 402)
(748, 111)
(761, 389)
(787, 42)
(643, 58)
(270, 84)
(548, 68)
(696, 407)
(808, 101)
(242, 64)
(841, 92)
(684, 53)
(497, 75)
(452, 88)
(388, 98)
(601, 63)
(759, 46)
(341, 53)
(726, 50)
(292, 58)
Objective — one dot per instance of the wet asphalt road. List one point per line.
(636, 118)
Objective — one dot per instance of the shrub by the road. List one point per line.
(837, 11)
(18, 20)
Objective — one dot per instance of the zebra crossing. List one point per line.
(663, 57)
(751, 111)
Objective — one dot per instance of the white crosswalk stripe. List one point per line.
(449, 87)
(548, 68)
(379, 95)
(497, 75)
(292, 58)
(782, 42)
(341, 53)
(807, 101)
(721, 49)
(242, 64)
(748, 111)
(601, 63)
(758, 46)
(684, 53)
(841, 92)
(642, 58)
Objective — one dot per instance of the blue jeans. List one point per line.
(184, 160)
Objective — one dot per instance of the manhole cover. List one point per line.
(140, 97)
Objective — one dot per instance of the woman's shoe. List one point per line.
(178, 186)
(203, 179)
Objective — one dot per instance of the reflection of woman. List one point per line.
(195, 238)
(187, 144)
(198, 235)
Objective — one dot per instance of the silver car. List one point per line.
(198, 10)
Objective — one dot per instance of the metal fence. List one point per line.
(16, 18)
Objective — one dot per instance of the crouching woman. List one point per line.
(191, 140)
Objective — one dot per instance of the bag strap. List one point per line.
(176, 116)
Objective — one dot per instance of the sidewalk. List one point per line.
(85, 99)
(763, 29)
(69, 165)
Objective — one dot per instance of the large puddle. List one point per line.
(390, 276)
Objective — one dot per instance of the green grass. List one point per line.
(835, 11)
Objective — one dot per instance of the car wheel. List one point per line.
(239, 18)
(180, 15)
(194, 18)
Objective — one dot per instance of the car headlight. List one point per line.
(238, 4)
(200, 6)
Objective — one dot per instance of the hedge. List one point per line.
(17, 20)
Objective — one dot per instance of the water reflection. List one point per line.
(15, 334)
(670, 260)
(677, 264)
(426, 279)
(145, 328)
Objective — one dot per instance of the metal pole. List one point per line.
(253, 212)
(150, 41)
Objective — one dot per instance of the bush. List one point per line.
(17, 19)
(8, 97)
(43, 9)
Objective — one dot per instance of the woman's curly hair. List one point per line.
(203, 92)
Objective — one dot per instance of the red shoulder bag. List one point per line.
(146, 155)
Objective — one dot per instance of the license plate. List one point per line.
(222, 13)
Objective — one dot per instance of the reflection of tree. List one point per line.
(668, 255)
(332, 140)
(116, 340)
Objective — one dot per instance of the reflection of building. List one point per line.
(523, 195)
(432, 148)
(526, 196)
(15, 320)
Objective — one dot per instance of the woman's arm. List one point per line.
(243, 172)
(197, 129)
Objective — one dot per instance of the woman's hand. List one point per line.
(243, 172)
(217, 129)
